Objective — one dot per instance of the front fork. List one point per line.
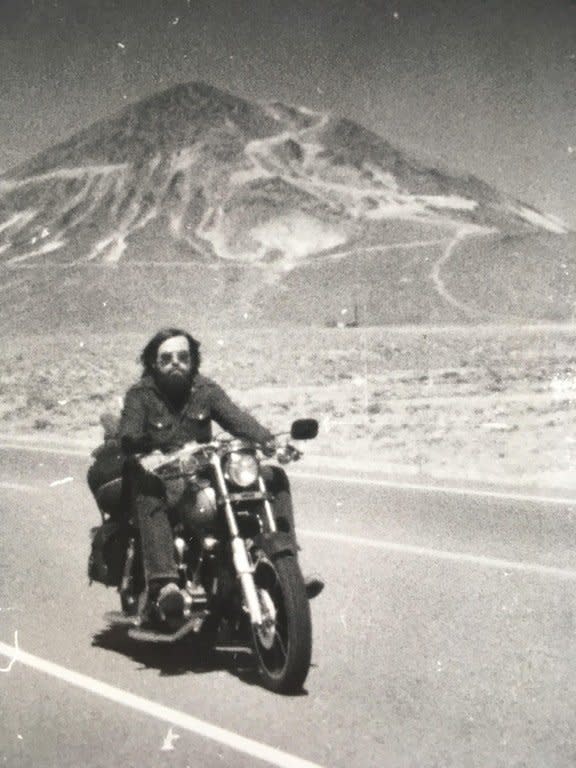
(241, 558)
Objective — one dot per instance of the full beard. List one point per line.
(175, 385)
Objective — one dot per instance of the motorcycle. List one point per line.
(237, 572)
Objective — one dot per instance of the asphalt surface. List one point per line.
(444, 637)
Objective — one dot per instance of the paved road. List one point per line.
(445, 637)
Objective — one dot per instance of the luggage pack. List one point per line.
(107, 553)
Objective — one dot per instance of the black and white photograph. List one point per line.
(288, 383)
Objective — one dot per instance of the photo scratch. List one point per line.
(14, 657)
(169, 739)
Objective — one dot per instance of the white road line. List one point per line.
(19, 487)
(438, 554)
(441, 554)
(355, 479)
(85, 454)
(370, 481)
(13, 659)
(206, 730)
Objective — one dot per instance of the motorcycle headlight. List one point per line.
(242, 469)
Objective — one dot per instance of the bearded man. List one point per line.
(172, 404)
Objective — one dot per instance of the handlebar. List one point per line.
(288, 453)
(156, 461)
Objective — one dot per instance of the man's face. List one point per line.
(174, 365)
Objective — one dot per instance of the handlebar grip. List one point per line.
(287, 454)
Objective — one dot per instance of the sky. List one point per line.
(481, 86)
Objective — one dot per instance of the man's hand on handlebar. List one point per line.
(288, 453)
(283, 452)
(270, 447)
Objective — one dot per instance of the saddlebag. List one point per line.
(105, 479)
(107, 553)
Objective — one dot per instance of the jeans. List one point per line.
(158, 506)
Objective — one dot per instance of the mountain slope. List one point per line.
(195, 203)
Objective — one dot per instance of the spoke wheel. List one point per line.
(283, 643)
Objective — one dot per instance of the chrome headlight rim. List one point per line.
(242, 468)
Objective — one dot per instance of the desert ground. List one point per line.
(482, 404)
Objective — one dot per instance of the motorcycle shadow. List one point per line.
(184, 656)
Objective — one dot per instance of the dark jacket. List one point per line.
(149, 422)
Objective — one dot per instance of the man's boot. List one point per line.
(165, 601)
(314, 585)
(170, 602)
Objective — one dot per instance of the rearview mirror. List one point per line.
(304, 429)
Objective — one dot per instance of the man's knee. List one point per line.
(94, 478)
(148, 506)
(143, 484)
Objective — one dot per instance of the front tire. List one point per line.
(283, 644)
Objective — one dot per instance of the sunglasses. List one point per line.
(167, 357)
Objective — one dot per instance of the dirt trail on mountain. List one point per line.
(466, 308)
(408, 245)
(440, 286)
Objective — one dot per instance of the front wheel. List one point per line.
(283, 643)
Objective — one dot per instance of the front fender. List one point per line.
(275, 544)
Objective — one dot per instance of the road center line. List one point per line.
(442, 554)
(341, 478)
(230, 739)
(391, 546)
(456, 490)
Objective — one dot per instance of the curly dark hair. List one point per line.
(150, 351)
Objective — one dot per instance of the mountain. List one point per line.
(197, 206)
